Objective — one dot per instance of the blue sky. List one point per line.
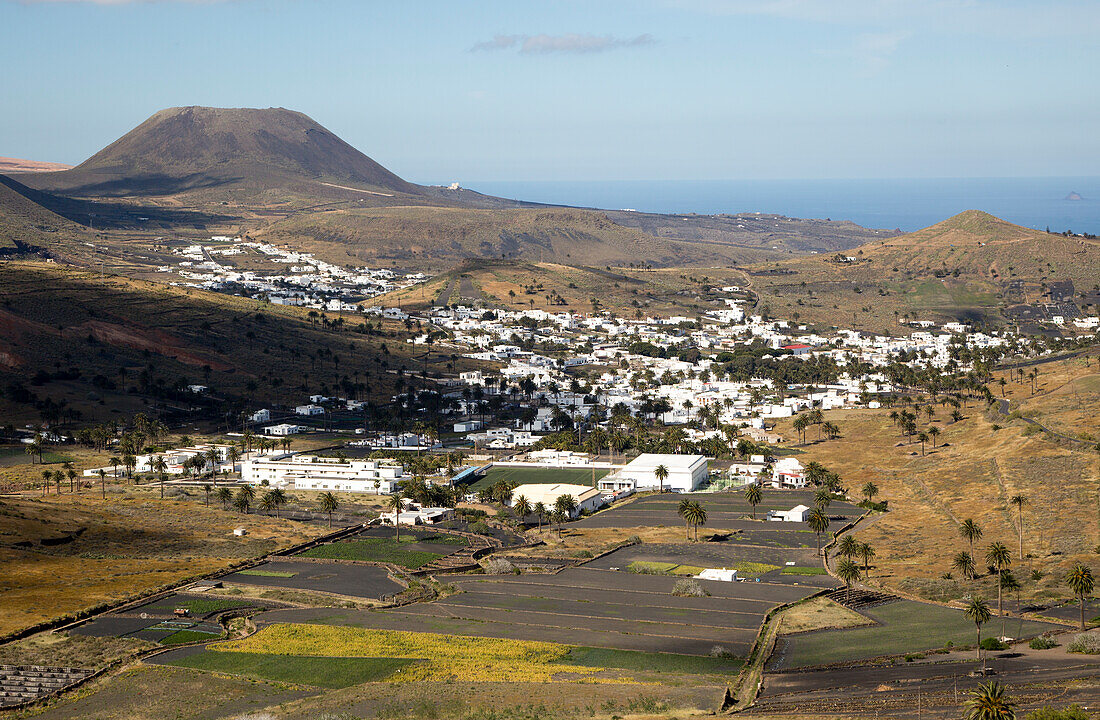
(583, 90)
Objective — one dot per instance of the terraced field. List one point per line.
(583, 606)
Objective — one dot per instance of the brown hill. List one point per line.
(25, 223)
(973, 267)
(190, 148)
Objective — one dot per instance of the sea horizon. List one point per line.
(905, 204)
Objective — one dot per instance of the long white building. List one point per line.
(685, 473)
(310, 472)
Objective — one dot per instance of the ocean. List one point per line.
(905, 204)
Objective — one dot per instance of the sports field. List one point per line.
(539, 476)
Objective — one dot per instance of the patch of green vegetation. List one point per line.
(644, 567)
(374, 550)
(199, 606)
(326, 672)
(651, 661)
(793, 570)
(257, 572)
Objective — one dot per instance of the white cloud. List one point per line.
(573, 43)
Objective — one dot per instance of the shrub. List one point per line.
(1043, 642)
(994, 644)
(498, 566)
(720, 652)
(480, 528)
(689, 588)
(1085, 644)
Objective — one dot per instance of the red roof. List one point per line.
(796, 346)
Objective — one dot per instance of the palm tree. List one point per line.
(103, 483)
(1081, 583)
(922, 438)
(70, 473)
(114, 462)
(395, 502)
(971, 532)
(866, 554)
(819, 523)
(159, 466)
(684, 510)
(848, 546)
(278, 497)
(522, 508)
(979, 613)
(822, 499)
(849, 572)
(1000, 558)
(46, 477)
(540, 512)
(243, 500)
(933, 432)
(267, 503)
(964, 563)
(566, 505)
(869, 491)
(329, 504)
(988, 702)
(225, 495)
(754, 494)
(661, 473)
(696, 515)
(1018, 501)
(206, 492)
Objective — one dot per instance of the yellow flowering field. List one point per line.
(445, 657)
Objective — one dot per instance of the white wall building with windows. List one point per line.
(685, 473)
(310, 472)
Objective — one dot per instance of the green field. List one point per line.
(646, 567)
(792, 570)
(905, 627)
(374, 550)
(17, 454)
(651, 661)
(326, 672)
(538, 476)
(198, 606)
(256, 572)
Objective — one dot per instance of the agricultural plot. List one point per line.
(538, 476)
(157, 622)
(364, 581)
(324, 672)
(751, 561)
(583, 606)
(725, 511)
(902, 627)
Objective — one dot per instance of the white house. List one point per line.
(798, 513)
(685, 473)
(309, 410)
(720, 574)
(416, 515)
(467, 426)
(308, 472)
(261, 416)
(282, 430)
(788, 473)
(587, 498)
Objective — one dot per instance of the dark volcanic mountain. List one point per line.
(192, 148)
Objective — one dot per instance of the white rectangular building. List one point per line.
(685, 473)
(310, 472)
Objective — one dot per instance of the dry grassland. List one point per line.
(973, 474)
(130, 543)
(819, 614)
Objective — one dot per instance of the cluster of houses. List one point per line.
(301, 278)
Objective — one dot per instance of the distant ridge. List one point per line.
(17, 165)
(191, 148)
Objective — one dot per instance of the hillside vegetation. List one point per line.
(970, 267)
(109, 345)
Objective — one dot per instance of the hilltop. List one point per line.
(278, 174)
(972, 267)
(190, 148)
(15, 165)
